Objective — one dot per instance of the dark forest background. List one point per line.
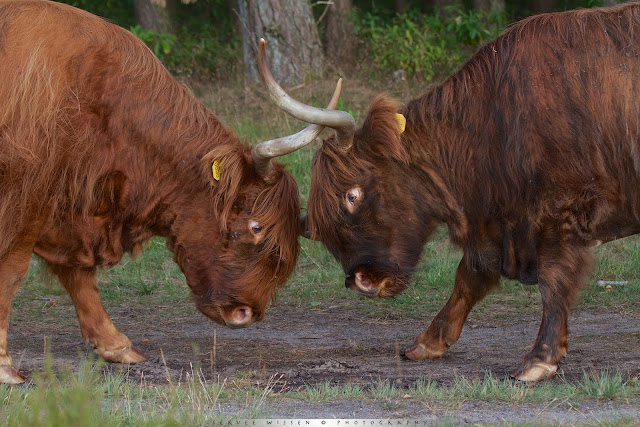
(405, 39)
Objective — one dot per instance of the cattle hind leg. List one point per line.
(561, 272)
(470, 287)
(95, 324)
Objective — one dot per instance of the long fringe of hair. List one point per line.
(335, 171)
(276, 208)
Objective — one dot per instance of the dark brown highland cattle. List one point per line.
(530, 154)
(101, 149)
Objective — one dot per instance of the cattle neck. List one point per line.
(449, 140)
(163, 138)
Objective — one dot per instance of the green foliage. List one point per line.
(188, 52)
(473, 28)
(425, 44)
(120, 12)
(203, 53)
(207, 42)
(160, 44)
(405, 44)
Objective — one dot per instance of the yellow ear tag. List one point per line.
(402, 122)
(215, 168)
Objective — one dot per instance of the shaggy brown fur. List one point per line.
(100, 149)
(530, 154)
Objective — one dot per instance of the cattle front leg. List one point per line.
(469, 288)
(95, 324)
(560, 277)
(13, 268)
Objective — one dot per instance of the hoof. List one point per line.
(420, 351)
(416, 352)
(536, 372)
(9, 375)
(123, 355)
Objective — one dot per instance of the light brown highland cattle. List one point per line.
(530, 154)
(101, 149)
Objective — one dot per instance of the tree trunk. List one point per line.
(156, 15)
(293, 46)
(340, 37)
(489, 6)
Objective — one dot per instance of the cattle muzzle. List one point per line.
(235, 317)
(240, 317)
(373, 285)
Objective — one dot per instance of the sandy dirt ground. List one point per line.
(295, 347)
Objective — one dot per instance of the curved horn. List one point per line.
(341, 121)
(265, 151)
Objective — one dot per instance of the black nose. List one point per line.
(348, 281)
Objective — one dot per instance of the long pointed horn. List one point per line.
(265, 151)
(341, 121)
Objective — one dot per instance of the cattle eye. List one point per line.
(255, 227)
(353, 197)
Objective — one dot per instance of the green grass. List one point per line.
(327, 392)
(147, 274)
(89, 397)
(384, 389)
(605, 385)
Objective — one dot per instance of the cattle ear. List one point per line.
(225, 168)
(381, 132)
